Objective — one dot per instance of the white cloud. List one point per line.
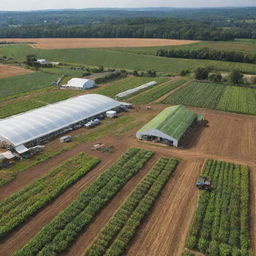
(60, 4)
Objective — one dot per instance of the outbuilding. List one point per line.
(169, 126)
(80, 83)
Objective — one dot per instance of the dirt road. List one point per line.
(64, 43)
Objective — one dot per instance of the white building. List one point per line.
(80, 83)
(40, 125)
(42, 61)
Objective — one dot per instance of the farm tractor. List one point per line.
(203, 183)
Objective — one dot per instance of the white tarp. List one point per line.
(21, 149)
(141, 87)
(25, 127)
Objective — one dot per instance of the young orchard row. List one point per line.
(118, 232)
(21, 205)
(59, 234)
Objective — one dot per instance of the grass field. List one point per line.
(34, 100)
(197, 94)
(25, 83)
(122, 60)
(126, 84)
(157, 92)
(221, 222)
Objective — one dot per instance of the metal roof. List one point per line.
(25, 127)
(172, 121)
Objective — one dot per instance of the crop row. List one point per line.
(57, 236)
(157, 92)
(221, 222)
(18, 207)
(197, 94)
(116, 235)
(239, 100)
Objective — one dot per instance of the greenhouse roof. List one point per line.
(173, 121)
(25, 127)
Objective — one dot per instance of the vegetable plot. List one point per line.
(122, 227)
(221, 222)
(18, 207)
(58, 235)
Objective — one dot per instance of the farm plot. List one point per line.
(197, 94)
(157, 92)
(126, 84)
(221, 222)
(58, 235)
(18, 207)
(8, 71)
(116, 235)
(239, 100)
(25, 83)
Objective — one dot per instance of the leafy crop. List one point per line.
(18, 207)
(116, 235)
(221, 222)
(58, 235)
(197, 94)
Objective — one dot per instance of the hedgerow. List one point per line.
(18, 207)
(116, 235)
(57, 236)
(221, 222)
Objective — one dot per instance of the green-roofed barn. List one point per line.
(169, 126)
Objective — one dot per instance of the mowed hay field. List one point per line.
(64, 43)
(8, 70)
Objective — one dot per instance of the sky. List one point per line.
(63, 4)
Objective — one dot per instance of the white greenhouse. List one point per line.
(38, 126)
(80, 83)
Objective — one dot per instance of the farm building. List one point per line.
(40, 125)
(80, 83)
(169, 126)
(42, 61)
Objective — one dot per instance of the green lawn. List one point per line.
(25, 83)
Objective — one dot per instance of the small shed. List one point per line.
(80, 83)
(42, 61)
(111, 114)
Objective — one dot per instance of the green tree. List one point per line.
(236, 77)
(201, 73)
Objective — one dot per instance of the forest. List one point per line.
(194, 24)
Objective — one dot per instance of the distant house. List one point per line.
(42, 61)
(80, 83)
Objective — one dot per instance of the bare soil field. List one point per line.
(8, 70)
(64, 43)
(228, 137)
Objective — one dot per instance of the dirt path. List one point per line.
(8, 71)
(164, 231)
(64, 43)
(159, 100)
(102, 218)
(18, 239)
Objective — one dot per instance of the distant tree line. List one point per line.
(169, 28)
(209, 54)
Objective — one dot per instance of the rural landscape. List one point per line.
(128, 132)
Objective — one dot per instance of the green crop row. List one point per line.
(125, 84)
(221, 222)
(57, 236)
(197, 94)
(239, 100)
(18, 207)
(116, 235)
(157, 92)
